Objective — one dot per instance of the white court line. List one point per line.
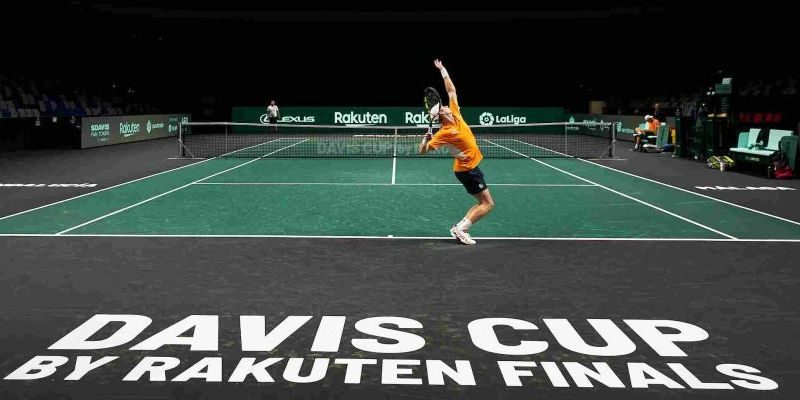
(119, 184)
(623, 194)
(394, 169)
(681, 189)
(387, 184)
(588, 239)
(174, 190)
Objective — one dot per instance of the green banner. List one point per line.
(396, 116)
(625, 125)
(104, 131)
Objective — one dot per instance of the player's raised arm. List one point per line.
(448, 83)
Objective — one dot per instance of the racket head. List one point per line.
(432, 103)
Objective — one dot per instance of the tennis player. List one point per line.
(456, 136)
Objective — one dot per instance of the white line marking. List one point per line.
(394, 169)
(173, 190)
(623, 194)
(386, 184)
(622, 239)
(115, 186)
(684, 190)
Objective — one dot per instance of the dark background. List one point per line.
(179, 54)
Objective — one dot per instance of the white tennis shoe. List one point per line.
(462, 236)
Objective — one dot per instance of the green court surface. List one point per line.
(397, 197)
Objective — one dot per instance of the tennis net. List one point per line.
(252, 140)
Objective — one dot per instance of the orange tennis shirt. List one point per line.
(459, 140)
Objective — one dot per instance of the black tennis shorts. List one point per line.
(472, 180)
(273, 120)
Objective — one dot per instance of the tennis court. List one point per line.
(347, 227)
(394, 197)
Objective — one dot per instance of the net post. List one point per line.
(612, 149)
(566, 131)
(180, 139)
(227, 146)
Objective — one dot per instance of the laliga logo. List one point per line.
(486, 119)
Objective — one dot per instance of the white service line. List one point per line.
(118, 185)
(678, 188)
(173, 190)
(394, 169)
(622, 194)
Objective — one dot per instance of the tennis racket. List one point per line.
(432, 99)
